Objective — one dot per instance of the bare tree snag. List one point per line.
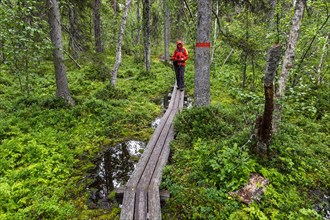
(288, 60)
(202, 53)
(264, 129)
(115, 68)
(62, 87)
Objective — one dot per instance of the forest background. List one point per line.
(48, 144)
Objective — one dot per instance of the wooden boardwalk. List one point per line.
(141, 194)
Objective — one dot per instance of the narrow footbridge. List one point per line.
(141, 193)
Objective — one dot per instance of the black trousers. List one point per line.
(179, 73)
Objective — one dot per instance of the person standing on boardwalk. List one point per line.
(179, 58)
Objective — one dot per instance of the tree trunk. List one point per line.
(288, 60)
(138, 18)
(114, 71)
(273, 4)
(167, 28)
(74, 45)
(146, 33)
(319, 68)
(202, 53)
(115, 6)
(264, 125)
(215, 35)
(62, 88)
(97, 26)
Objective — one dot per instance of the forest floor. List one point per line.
(48, 150)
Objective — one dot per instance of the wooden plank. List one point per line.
(132, 182)
(127, 211)
(135, 195)
(181, 101)
(141, 205)
(152, 163)
(164, 194)
(173, 98)
(147, 174)
(153, 191)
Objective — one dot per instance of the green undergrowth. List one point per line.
(211, 157)
(46, 147)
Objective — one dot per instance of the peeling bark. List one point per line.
(288, 60)
(114, 71)
(264, 128)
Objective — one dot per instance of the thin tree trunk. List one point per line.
(244, 70)
(288, 60)
(166, 31)
(74, 32)
(97, 26)
(146, 33)
(114, 71)
(245, 52)
(264, 124)
(215, 34)
(114, 6)
(229, 55)
(62, 88)
(202, 53)
(273, 4)
(319, 68)
(138, 18)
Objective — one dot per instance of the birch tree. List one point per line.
(288, 59)
(202, 53)
(323, 55)
(114, 72)
(62, 88)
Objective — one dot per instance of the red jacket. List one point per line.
(180, 54)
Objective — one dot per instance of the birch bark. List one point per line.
(115, 68)
(288, 60)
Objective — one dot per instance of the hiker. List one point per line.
(179, 58)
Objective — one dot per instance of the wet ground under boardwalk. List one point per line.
(115, 165)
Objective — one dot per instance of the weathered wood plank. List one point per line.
(137, 190)
(153, 191)
(141, 205)
(147, 174)
(181, 101)
(154, 157)
(127, 211)
(164, 194)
